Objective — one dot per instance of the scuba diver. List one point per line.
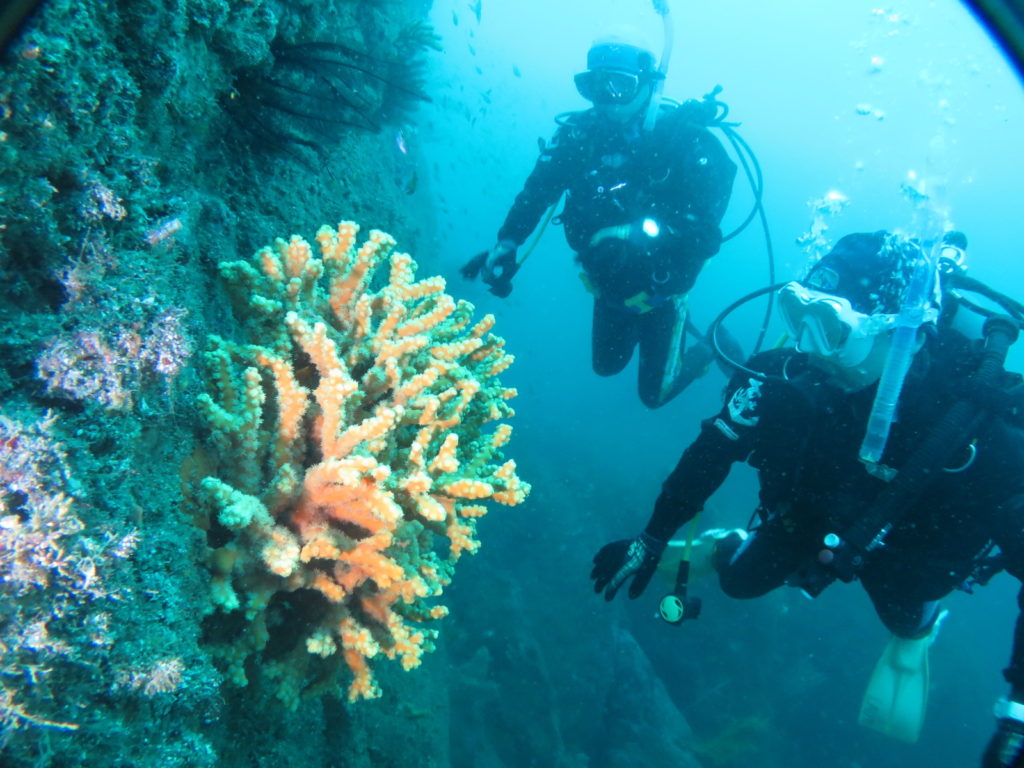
(912, 507)
(646, 186)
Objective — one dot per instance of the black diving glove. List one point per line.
(495, 267)
(471, 269)
(624, 559)
(1006, 748)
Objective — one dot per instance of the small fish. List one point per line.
(476, 8)
(472, 51)
(410, 185)
(478, 70)
(400, 142)
(455, 18)
(515, 71)
(486, 95)
(914, 193)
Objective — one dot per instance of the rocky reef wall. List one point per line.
(141, 143)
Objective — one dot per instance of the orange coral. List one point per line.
(352, 433)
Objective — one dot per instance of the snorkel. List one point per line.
(917, 309)
(661, 8)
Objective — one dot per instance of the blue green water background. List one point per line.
(906, 115)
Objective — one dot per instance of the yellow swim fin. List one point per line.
(897, 694)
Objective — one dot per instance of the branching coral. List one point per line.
(53, 617)
(355, 457)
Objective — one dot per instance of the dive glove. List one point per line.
(495, 267)
(1006, 748)
(624, 559)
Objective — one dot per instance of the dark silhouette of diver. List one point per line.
(646, 185)
(912, 507)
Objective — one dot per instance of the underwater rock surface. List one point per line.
(125, 176)
(141, 144)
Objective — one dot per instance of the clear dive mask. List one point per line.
(609, 86)
(828, 327)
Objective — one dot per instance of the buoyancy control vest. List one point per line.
(677, 176)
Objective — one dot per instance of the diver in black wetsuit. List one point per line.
(951, 470)
(642, 212)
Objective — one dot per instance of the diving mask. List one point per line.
(609, 86)
(828, 327)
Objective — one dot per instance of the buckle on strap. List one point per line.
(639, 303)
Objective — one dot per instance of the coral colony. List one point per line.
(354, 458)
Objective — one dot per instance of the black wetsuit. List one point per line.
(680, 176)
(803, 437)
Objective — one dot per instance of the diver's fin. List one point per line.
(897, 694)
(732, 349)
(726, 342)
(693, 364)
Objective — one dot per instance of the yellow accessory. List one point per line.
(639, 303)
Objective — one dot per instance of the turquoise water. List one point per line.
(140, 145)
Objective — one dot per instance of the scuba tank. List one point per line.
(844, 552)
